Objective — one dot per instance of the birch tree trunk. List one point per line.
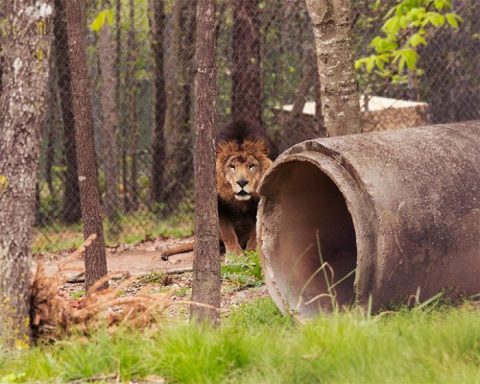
(26, 42)
(95, 258)
(331, 20)
(206, 264)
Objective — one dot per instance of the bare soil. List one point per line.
(144, 261)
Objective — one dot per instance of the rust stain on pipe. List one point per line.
(396, 211)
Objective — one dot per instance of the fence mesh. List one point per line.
(141, 66)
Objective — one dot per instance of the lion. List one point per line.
(243, 154)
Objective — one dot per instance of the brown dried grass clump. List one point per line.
(54, 314)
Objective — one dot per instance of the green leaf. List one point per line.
(392, 25)
(359, 63)
(401, 64)
(416, 14)
(109, 16)
(381, 60)
(370, 63)
(453, 19)
(410, 57)
(442, 4)
(382, 45)
(417, 39)
(99, 21)
(434, 18)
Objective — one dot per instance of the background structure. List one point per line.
(141, 65)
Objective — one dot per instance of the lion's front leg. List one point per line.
(252, 241)
(229, 237)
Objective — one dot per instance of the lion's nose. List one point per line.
(242, 183)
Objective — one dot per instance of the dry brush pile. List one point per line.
(54, 314)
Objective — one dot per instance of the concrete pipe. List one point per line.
(375, 218)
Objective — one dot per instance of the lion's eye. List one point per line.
(251, 166)
(232, 166)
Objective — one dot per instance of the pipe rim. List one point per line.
(355, 196)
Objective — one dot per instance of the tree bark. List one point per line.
(246, 68)
(26, 42)
(134, 133)
(1, 69)
(179, 104)
(158, 146)
(206, 264)
(50, 136)
(110, 121)
(132, 136)
(331, 20)
(71, 211)
(95, 259)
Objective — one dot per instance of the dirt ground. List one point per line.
(144, 262)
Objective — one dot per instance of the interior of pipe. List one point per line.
(315, 246)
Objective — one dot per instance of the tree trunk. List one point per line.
(1, 69)
(206, 265)
(119, 101)
(246, 71)
(110, 121)
(50, 137)
(26, 43)
(133, 134)
(331, 20)
(179, 153)
(71, 211)
(158, 146)
(95, 259)
(319, 120)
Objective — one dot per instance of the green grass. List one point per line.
(243, 271)
(77, 294)
(134, 228)
(257, 345)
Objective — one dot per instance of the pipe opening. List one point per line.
(310, 207)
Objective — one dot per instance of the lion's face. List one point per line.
(239, 169)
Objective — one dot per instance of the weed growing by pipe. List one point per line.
(329, 278)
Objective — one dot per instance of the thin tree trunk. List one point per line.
(331, 20)
(1, 69)
(26, 42)
(302, 91)
(133, 136)
(119, 102)
(95, 259)
(319, 120)
(158, 146)
(118, 48)
(110, 121)
(206, 265)
(246, 73)
(180, 136)
(71, 211)
(50, 138)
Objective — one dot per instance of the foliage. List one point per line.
(405, 30)
(153, 278)
(243, 270)
(256, 344)
(104, 16)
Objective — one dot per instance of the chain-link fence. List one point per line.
(141, 68)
